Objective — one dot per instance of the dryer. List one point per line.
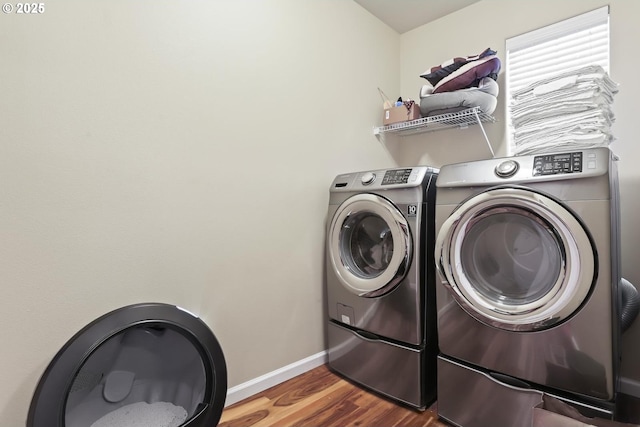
(528, 266)
(381, 330)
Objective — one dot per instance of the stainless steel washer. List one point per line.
(528, 267)
(380, 275)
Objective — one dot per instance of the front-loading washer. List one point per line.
(381, 330)
(528, 266)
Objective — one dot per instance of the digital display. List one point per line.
(553, 164)
(397, 176)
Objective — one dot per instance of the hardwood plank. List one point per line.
(322, 398)
(249, 406)
(276, 412)
(324, 412)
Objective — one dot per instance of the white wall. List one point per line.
(487, 24)
(178, 152)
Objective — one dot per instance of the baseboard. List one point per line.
(256, 385)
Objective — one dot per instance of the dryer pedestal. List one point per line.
(463, 391)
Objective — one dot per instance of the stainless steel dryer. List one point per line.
(380, 275)
(528, 266)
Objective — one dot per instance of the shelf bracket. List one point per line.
(486, 138)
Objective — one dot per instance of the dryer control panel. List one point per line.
(540, 167)
(553, 164)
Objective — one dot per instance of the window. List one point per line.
(564, 46)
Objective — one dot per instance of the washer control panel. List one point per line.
(386, 179)
(553, 164)
(398, 176)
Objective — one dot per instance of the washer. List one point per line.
(380, 274)
(528, 267)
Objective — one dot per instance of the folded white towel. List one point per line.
(589, 73)
(561, 109)
(555, 85)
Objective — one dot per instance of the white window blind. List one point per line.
(564, 46)
(570, 44)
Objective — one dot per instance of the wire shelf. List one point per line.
(460, 119)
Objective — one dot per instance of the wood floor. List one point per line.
(320, 398)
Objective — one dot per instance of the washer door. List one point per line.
(516, 259)
(369, 245)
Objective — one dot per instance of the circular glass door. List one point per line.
(149, 364)
(515, 259)
(369, 245)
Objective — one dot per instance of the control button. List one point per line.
(591, 164)
(507, 168)
(368, 178)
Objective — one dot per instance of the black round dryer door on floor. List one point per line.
(370, 245)
(516, 259)
(146, 364)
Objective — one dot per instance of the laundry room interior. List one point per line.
(183, 152)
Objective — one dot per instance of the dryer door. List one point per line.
(369, 244)
(516, 259)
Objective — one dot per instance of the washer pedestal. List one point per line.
(396, 371)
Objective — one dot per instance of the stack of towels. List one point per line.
(569, 111)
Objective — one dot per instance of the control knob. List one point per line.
(368, 178)
(507, 168)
